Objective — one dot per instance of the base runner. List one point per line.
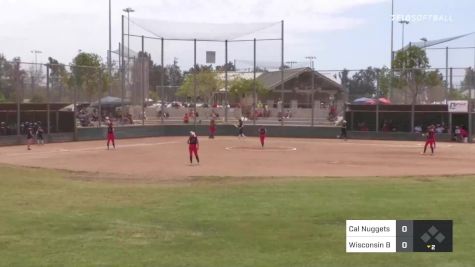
(193, 146)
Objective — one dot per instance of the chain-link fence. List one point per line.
(61, 98)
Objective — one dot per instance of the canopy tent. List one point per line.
(364, 101)
(371, 101)
(384, 101)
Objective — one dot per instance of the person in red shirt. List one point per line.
(430, 141)
(186, 118)
(193, 146)
(464, 134)
(262, 135)
(110, 134)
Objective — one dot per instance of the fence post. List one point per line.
(48, 123)
(254, 98)
(226, 80)
(470, 123)
(18, 109)
(99, 100)
(194, 83)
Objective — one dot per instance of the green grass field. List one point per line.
(48, 219)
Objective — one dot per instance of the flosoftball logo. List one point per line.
(423, 18)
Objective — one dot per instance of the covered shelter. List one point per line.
(302, 85)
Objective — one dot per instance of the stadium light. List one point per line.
(36, 52)
(425, 42)
(128, 10)
(403, 22)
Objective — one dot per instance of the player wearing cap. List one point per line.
(110, 133)
(193, 146)
(262, 135)
(430, 141)
(29, 137)
(39, 136)
(240, 127)
(212, 128)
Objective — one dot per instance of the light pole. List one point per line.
(291, 63)
(312, 66)
(311, 59)
(35, 69)
(392, 50)
(128, 10)
(425, 42)
(109, 55)
(403, 22)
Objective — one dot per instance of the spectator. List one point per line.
(439, 129)
(418, 129)
(3, 128)
(458, 136)
(463, 134)
(186, 119)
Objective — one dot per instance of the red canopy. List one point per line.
(384, 101)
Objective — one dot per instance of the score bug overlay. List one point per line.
(390, 236)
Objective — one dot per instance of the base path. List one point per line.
(166, 158)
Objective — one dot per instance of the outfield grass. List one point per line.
(47, 219)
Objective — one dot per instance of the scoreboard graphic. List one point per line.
(386, 236)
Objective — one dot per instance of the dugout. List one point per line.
(399, 118)
(59, 120)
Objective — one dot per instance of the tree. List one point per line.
(2, 98)
(59, 77)
(241, 88)
(207, 83)
(412, 74)
(229, 66)
(88, 74)
(38, 98)
(370, 82)
(363, 83)
(6, 78)
(468, 82)
(17, 76)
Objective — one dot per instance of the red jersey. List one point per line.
(110, 129)
(193, 140)
(430, 135)
(262, 131)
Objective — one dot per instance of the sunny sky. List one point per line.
(340, 33)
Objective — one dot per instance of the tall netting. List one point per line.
(177, 73)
